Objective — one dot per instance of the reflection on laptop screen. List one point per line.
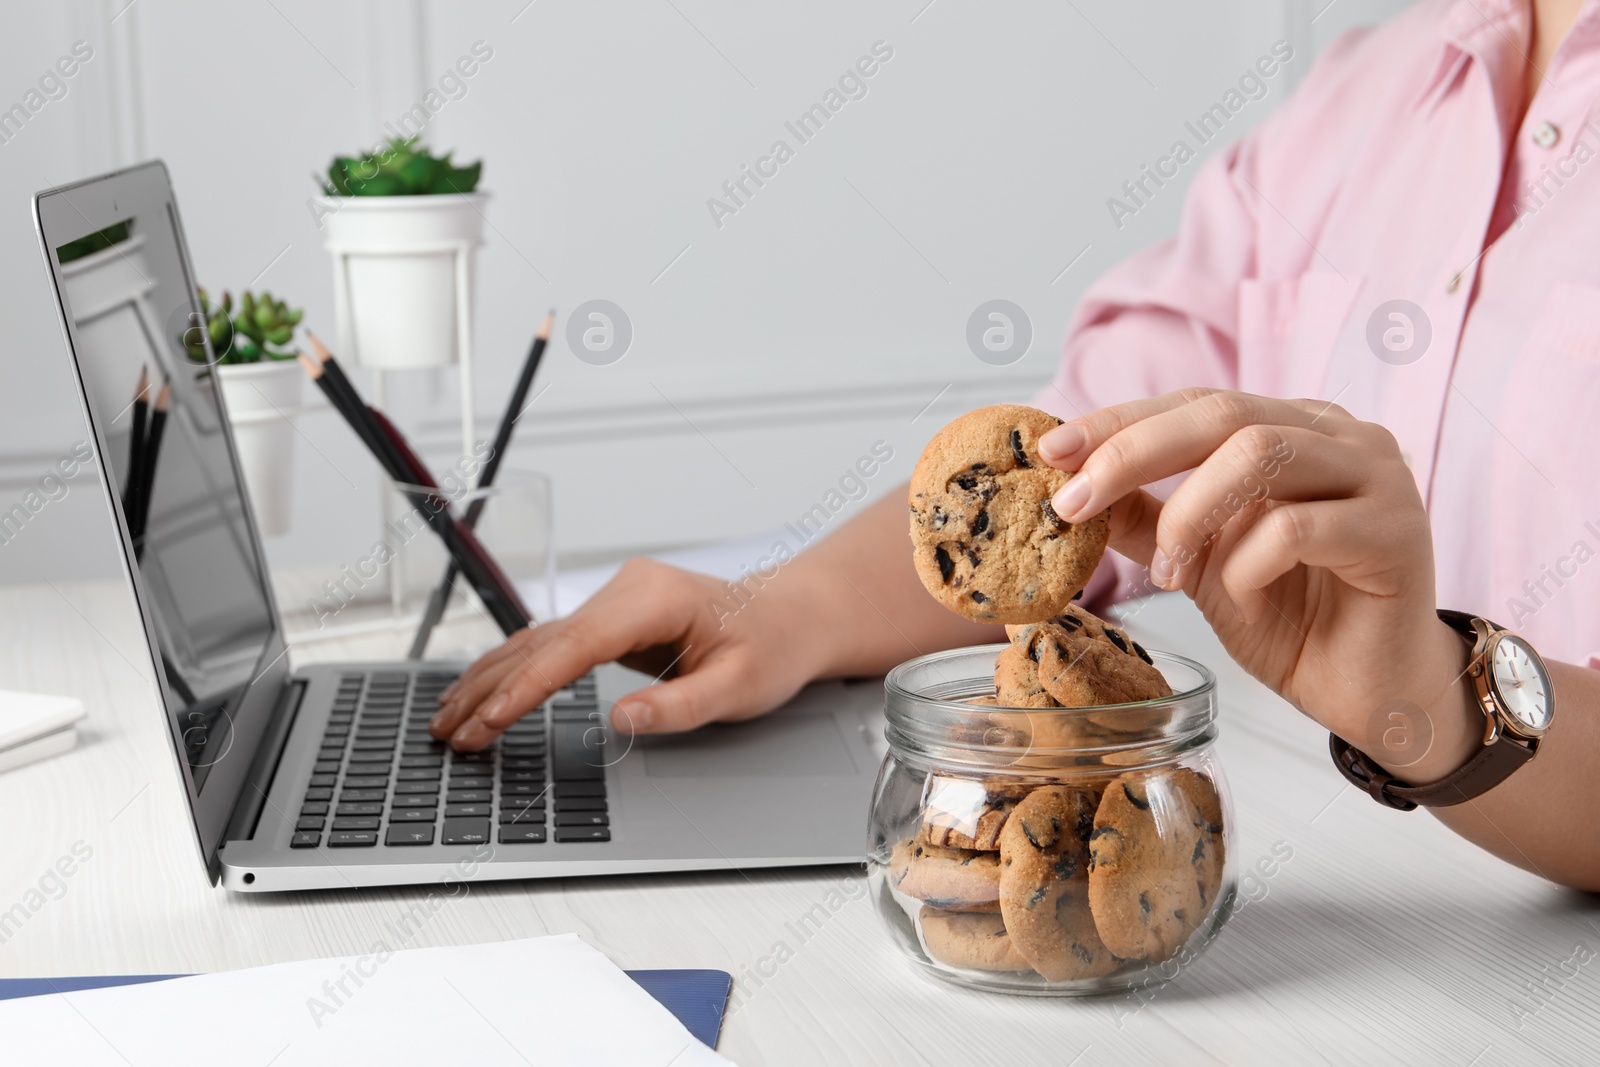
(133, 310)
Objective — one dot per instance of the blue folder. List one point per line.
(697, 998)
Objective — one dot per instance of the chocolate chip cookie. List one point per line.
(952, 879)
(963, 813)
(1044, 884)
(985, 540)
(1083, 662)
(1016, 679)
(960, 939)
(1155, 861)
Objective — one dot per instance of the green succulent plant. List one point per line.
(403, 168)
(259, 328)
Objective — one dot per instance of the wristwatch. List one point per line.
(1513, 687)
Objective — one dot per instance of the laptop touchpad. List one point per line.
(803, 744)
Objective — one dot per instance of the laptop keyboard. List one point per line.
(381, 781)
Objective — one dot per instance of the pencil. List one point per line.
(152, 451)
(405, 469)
(130, 488)
(491, 467)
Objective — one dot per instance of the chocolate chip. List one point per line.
(1083, 954)
(980, 467)
(1137, 647)
(967, 482)
(939, 518)
(1085, 825)
(1038, 896)
(1016, 449)
(1027, 831)
(1116, 639)
(1051, 517)
(1177, 913)
(947, 566)
(1199, 851)
(979, 597)
(1144, 906)
(981, 523)
(1078, 595)
(973, 558)
(1066, 866)
(1104, 831)
(1071, 622)
(1142, 805)
(1033, 651)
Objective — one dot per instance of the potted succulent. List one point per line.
(401, 224)
(261, 389)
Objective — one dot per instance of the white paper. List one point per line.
(25, 716)
(546, 1000)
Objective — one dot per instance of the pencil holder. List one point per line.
(1054, 852)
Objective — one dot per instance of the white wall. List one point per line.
(769, 352)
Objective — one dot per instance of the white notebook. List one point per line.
(33, 726)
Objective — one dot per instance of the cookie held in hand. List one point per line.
(986, 542)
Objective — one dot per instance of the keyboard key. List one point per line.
(372, 756)
(366, 822)
(304, 839)
(357, 796)
(431, 749)
(309, 822)
(522, 763)
(323, 779)
(469, 796)
(384, 744)
(464, 811)
(359, 809)
(352, 838)
(578, 755)
(581, 833)
(410, 834)
(580, 803)
(326, 767)
(317, 807)
(319, 794)
(523, 789)
(413, 814)
(417, 800)
(577, 818)
(416, 787)
(473, 757)
(521, 835)
(335, 731)
(516, 817)
(465, 831)
(580, 789)
(366, 781)
(522, 776)
(419, 774)
(408, 762)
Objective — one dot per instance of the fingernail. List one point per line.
(1161, 569)
(437, 722)
(471, 736)
(1062, 441)
(1071, 498)
(633, 717)
(491, 711)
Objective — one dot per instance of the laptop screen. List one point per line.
(130, 308)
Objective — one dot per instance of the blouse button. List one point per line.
(1546, 134)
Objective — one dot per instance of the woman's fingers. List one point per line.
(1259, 462)
(1354, 539)
(1144, 442)
(722, 689)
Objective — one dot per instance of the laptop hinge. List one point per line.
(253, 791)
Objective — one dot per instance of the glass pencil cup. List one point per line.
(1049, 851)
(515, 525)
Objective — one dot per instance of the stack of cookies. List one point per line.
(1077, 877)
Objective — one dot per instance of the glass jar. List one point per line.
(1049, 851)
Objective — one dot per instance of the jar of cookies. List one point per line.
(1024, 846)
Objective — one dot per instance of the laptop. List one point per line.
(325, 777)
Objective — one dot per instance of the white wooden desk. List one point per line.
(1372, 943)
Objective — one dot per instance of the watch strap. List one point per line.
(1493, 764)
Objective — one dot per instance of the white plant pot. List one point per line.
(261, 398)
(402, 276)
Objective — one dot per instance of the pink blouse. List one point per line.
(1394, 175)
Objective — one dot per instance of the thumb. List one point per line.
(719, 690)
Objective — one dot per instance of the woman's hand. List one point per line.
(1302, 538)
(712, 663)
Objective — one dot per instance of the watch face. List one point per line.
(1520, 684)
